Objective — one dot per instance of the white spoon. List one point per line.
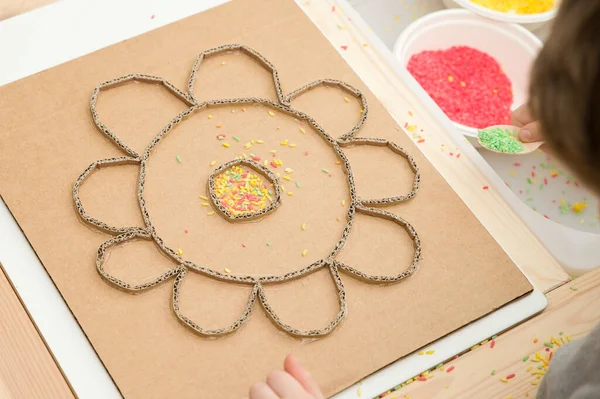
(503, 139)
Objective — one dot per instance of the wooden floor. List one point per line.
(28, 371)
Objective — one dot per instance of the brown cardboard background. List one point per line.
(48, 138)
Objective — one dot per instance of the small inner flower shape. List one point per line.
(249, 186)
(242, 194)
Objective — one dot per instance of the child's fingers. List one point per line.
(531, 132)
(286, 386)
(296, 370)
(260, 390)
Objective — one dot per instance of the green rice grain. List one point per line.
(501, 140)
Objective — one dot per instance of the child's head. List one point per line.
(565, 88)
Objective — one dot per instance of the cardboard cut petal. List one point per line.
(375, 157)
(362, 241)
(115, 192)
(308, 292)
(132, 262)
(344, 103)
(153, 97)
(196, 296)
(246, 72)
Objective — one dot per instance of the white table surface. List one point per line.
(68, 29)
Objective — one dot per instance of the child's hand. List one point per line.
(529, 128)
(293, 382)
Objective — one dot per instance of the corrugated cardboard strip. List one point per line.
(149, 232)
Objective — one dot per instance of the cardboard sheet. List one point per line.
(48, 138)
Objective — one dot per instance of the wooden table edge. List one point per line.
(60, 377)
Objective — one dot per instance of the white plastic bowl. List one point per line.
(513, 46)
(530, 21)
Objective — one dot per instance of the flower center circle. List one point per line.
(243, 189)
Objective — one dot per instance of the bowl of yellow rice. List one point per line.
(532, 14)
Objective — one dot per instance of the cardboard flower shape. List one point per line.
(243, 189)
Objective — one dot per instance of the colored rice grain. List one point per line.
(578, 207)
(484, 99)
(517, 6)
(241, 191)
(501, 140)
